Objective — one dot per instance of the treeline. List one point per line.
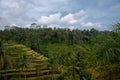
(36, 37)
(82, 54)
(49, 35)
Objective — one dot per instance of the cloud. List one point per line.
(51, 19)
(7, 4)
(90, 24)
(23, 12)
(72, 20)
(13, 10)
(115, 8)
(3, 22)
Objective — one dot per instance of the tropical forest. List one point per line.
(59, 54)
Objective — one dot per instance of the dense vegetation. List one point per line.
(77, 54)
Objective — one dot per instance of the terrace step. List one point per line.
(41, 77)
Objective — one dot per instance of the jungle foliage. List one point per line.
(78, 54)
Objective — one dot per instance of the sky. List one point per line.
(80, 14)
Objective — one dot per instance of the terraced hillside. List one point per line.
(26, 64)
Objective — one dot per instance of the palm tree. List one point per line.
(108, 55)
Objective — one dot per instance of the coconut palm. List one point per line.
(107, 54)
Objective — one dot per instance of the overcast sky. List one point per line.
(82, 14)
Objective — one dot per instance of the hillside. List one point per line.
(60, 54)
(27, 64)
